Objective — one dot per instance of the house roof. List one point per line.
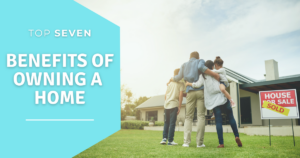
(252, 85)
(156, 101)
(282, 77)
(290, 76)
(292, 82)
(241, 78)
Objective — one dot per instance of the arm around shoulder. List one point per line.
(199, 83)
(180, 74)
(213, 74)
(201, 66)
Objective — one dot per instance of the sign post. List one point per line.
(293, 131)
(270, 132)
(279, 104)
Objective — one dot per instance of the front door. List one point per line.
(246, 115)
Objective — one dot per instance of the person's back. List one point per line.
(195, 98)
(190, 72)
(212, 93)
(173, 100)
(191, 69)
(172, 94)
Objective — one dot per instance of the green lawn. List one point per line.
(140, 143)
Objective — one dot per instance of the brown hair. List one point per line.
(194, 54)
(176, 71)
(209, 64)
(218, 61)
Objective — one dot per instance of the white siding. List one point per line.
(160, 115)
(234, 95)
(255, 110)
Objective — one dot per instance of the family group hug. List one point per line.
(205, 89)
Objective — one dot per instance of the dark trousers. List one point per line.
(226, 108)
(170, 122)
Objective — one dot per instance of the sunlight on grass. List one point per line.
(140, 143)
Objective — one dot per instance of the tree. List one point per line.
(128, 104)
(138, 102)
(123, 114)
(130, 108)
(126, 98)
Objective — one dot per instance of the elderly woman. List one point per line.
(215, 99)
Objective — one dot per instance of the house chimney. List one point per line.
(271, 70)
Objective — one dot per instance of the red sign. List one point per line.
(285, 98)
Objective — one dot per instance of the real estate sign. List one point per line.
(279, 104)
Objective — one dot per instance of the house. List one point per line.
(244, 91)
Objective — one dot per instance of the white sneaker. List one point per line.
(201, 146)
(185, 145)
(213, 117)
(164, 141)
(172, 143)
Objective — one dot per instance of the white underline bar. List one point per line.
(59, 119)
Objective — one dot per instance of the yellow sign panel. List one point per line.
(276, 108)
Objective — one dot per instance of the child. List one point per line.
(220, 70)
(173, 101)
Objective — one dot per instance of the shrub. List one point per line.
(123, 114)
(138, 114)
(134, 124)
(159, 123)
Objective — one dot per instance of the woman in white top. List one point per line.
(216, 100)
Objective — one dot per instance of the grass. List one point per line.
(140, 143)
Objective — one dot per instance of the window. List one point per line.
(246, 115)
(209, 112)
(150, 114)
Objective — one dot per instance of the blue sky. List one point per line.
(158, 36)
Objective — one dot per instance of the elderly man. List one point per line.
(190, 71)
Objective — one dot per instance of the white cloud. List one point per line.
(157, 36)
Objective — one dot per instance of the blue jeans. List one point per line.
(226, 108)
(223, 83)
(170, 122)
